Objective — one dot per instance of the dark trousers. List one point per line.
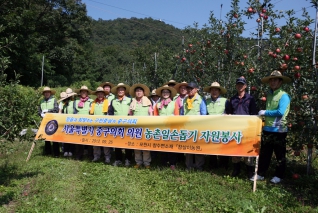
(68, 147)
(223, 161)
(119, 154)
(48, 148)
(170, 157)
(273, 142)
(80, 151)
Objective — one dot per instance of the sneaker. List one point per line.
(127, 162)
(172, 167)
(276, 180)
(95, 159)
(137, 166)
(65, 154)
(117, 163)
(147, 167)
(70, 154)
(258, 177)
(107, 160)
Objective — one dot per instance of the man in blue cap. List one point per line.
(194, 104)
(241, 104)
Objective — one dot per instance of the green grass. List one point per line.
(46, 184)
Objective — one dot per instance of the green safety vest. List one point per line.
(68, 109)
(121, 107)
(215, 107)
(141, 110)
(196, 106)
(272, 104)
(175, 97)
(49, 104)
(110, 97)
(98, 109)
(85, 109)
(166, 110)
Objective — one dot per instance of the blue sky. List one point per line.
(181, 13)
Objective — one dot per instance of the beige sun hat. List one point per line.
(144, 87)
(83, 88)
(70, 92)
(114, 89)
(172, 90)
(107, 83)
(48, 89)
(170, 82)
(215, 85)
(99, 89)
(153, 92)
(276, 74)
(63, 96)
(177, 87)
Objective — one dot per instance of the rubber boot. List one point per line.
(236, 169)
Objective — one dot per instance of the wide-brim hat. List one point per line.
(107, 83)
(114, 89)
(99, 89)
(276, 74)
(48, 89)
(63, 96)
(171, 82)
(215, 85)
(83, 88)
(144, 87)
(172, 90)
(177, 87)
(70, 92)
(153, 92)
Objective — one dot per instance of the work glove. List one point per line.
(261, 112)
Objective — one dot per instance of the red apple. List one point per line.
(274, 55)
(284, 66)
(242, 63)
(251, 70)
(306, 29)
(270, 53)
(261, 15)
(289, 125)
(245, 56)
(235, 15)
(304, 97)
(263, 98)
(299, 49)
(226, 51)
(277, 29)
(253, 88)
(190, 45)
(295, 176)
(286, 57)
(278, 50)
(258, 20)
(183, 59)
(265, 17)
(250, 10)
(297, 75)
(296, 67)
(295, 59)
(297, 36)
(264, 10)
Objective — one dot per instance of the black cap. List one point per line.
(192, 85)
(241, 80)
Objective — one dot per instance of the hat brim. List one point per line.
(94, 92)
(172, 90)
(114, 89)
(133, 87)
(177, 87)
(167, 83)
(71, 94)
(51, 91)
(285, 79)
(79, 91)
(107, 84)
(62, 99)
(208, 89)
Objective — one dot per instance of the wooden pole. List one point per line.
(30, 152)
(255, 175)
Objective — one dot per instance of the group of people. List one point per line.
(177, 99)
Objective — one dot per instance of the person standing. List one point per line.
(154, 98)
(275, 128)
(107, 86)
(82, 107)
(242, 104)
(194, 104)
(49, 105)
(100, 107)
(141, 106)
(215, 104)
(167, 107)
(67, 108)
(119, 106)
